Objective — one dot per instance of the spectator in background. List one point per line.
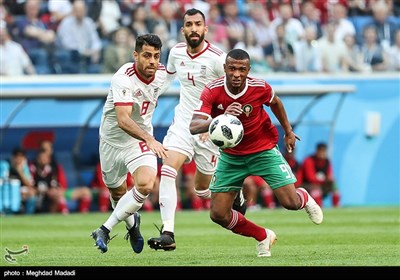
(333, 52)
(50, 181)
(235, 25)
(258, 62)
(293, 28)
(78, 36)
(317, 176)
(6, 15)
(280, 54)
(168, 27)
(35, 37)
(58, 10)
(217, 32)
(52, 187)
(77, 198)
(259, 24)
(14, 61)
(343, 26)
(394, 54)
(307, 52)
(385, 26)
(140, 21)
(373, 53)
(19, 170)
(310, 17)
(119, 51)
(107, 16)
(353, 55)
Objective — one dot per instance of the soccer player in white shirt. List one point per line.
(127, 143)
(195, 62)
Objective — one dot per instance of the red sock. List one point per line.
(179, 205)
(104, 201)
(84, 205)
(336, 199)
(196, 203)
(206, 203)
(62, 205)
(303, 194)
(240, 225)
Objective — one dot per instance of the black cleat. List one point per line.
(101, 237)
(165, 241)
(239, 204)
(134, 235)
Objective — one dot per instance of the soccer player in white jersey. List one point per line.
(127, 143)
(195, 63)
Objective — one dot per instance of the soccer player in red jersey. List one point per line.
(257, 154)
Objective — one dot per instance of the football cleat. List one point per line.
(101, 238)
(239, 204)
(264, 247)
(165, 241)
(134, 235)
(313, 210)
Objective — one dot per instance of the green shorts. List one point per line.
(232, 170)
(68, 194)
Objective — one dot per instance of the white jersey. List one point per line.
(129, 89)
(194, 73)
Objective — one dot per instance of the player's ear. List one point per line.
(135, 55)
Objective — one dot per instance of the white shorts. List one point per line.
(117, 162)
(204, 154)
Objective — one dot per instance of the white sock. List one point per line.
(129, 203)
(204, 194)
(168, 197)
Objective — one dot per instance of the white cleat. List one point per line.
(264, 247)
(313, 210)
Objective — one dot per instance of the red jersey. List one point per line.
(260, 133)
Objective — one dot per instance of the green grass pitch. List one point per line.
(355, 236)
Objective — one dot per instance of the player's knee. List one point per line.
(219, 218)
(145, 189)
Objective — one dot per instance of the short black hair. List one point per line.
(148, 39)
(238, 54)
(192, 12)
(18, 151)
(321, 145)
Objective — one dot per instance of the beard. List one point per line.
(194, 44)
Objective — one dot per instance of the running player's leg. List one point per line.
(228, 180)
(282, 183)
(168, 193)
(180, 149)
(168, 200)
(114, 176)
(115, 164)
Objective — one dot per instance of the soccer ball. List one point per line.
(226, 131)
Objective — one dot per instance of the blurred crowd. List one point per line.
(37, 182)
(97, 36)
